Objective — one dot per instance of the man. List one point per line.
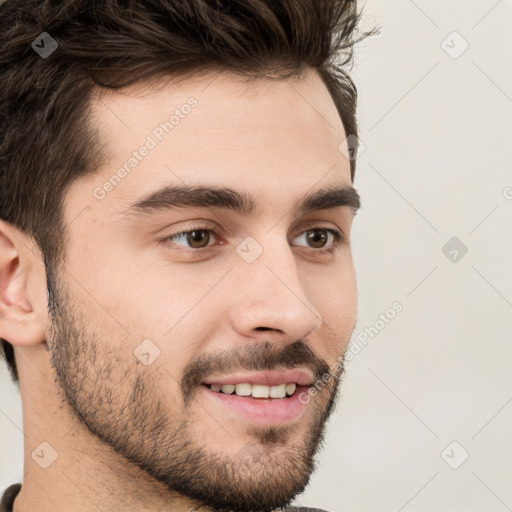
(176, 281)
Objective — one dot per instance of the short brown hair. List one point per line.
(46, 139)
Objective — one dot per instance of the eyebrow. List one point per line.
(243, 203)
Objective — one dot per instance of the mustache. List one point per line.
(257, 357)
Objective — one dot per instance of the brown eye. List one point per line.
(192, 239)
(323, 239)
(317, 238)
(198, 238)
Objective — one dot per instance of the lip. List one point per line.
(260, 411)
(301, 377)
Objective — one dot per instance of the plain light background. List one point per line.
(425, 417)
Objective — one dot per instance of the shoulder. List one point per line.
(7, 498)
(303, 509)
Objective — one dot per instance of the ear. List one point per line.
(23, 298)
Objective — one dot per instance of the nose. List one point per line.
(269, 296)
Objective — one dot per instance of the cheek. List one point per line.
(144, 291)
(177, 298)
(333, 285)
(175, 308)
(338, 308)
(334, 294)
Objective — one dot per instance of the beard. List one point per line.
(123, 404)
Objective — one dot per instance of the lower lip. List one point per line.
(261, 411)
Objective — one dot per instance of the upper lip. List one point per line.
(302, 377)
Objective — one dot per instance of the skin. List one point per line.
(125, 436)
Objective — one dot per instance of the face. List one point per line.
(220, 256)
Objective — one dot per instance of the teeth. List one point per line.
(227, 388)
(260, 391)
(278, 391)
(256, 390)
(243, 389)
(290, 389)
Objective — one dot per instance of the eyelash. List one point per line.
(339, 238)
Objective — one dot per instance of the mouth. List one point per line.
(264, 398)
(261, 391)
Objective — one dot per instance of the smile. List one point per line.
(266, 398)
(255, 390)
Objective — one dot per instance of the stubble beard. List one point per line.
(120, 404)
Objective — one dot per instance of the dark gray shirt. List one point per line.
(12, 491)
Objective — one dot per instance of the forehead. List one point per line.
(260, 135)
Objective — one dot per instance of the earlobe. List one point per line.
(22, 289)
